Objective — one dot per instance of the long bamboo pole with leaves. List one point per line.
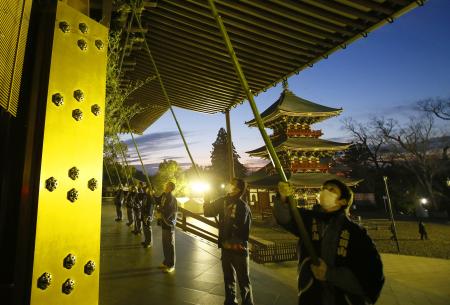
(163, 88)
(276, 162)
(107, 173)
(124, 158)
(117, 172)
(144, 170)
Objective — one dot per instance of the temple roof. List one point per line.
(301, 144)
(303, 180)
(288, 104)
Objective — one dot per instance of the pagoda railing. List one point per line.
(297, 166)
(304, 133)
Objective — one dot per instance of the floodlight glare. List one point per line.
(200, 187)
(424, 200)
(222, 185)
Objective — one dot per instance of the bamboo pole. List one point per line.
(229, 146)
(107, 173)
(276, 162)
(167, 97)
(391, 214)
(124, 159)
(144, 170)
(117, 172)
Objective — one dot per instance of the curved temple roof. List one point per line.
(273, 39)
(301, 144)
(290, 104)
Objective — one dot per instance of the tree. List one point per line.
(413, 146)
(370, 142)
(219, 158)
(439, 107)
(117, 111)
(170, 170)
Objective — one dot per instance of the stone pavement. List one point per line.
(129, 274)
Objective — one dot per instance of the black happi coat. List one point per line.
(351, 248)
(168, 208)
(235, 219)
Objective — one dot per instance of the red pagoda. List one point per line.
(305, 157)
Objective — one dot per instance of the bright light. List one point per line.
(423, 200)
(222, 185)
(200, 187)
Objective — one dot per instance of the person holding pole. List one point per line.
(350, 270)
(234, 229)
(147, 218)
(167, 218)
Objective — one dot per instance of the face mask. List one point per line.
(327, 199)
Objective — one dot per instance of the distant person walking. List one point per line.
(167, 214)
(234, 230)
(422, 230)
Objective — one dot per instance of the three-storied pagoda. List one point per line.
(305, 157)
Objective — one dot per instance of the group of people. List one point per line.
(142, 207)
(348, 271)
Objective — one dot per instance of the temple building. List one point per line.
(306, 158)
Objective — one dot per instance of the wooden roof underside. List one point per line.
(272, 39)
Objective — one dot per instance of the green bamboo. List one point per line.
(124, 159)
(107, 173)
(276, 162)
(167, 98)
(229, 146)
(117, 172)
(144, 170)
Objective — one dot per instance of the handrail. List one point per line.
(191, 228)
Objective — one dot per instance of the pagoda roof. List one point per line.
(288, 104)
(301, 144)
(303, 180)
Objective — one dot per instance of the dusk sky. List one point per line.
(381, 75)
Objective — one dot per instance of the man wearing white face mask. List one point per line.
(350, 269)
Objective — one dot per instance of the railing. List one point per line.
(182, 223)
(277, 252)
(260, 252)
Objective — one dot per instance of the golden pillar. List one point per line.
(67, 239)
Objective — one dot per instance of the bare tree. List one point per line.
(412, 145)
(440, 107)
(369, 139)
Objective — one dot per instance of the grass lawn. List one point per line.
(438, 244)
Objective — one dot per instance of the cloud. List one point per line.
(152, 168)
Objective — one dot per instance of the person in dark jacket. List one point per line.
(147, 217)
(118, 202)
(422, 231)
(167, 214)
(138, 203)
(129, 200)
(234, 230)
(350, 270)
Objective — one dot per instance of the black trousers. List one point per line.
(137, 220)
(236, 265)
(168, 242)
(130, 215)
(148, 233)
(119, 211)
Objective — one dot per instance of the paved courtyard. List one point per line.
(130, 275)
